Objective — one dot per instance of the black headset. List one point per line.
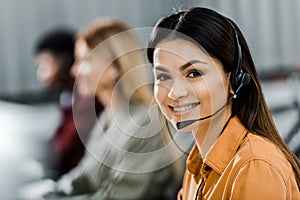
(238, 77)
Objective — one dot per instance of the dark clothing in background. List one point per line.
(68, 144)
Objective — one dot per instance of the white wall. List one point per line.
(22, 22)
(272, 28)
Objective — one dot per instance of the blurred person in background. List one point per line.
(122, 160)
(206, 83)
(41, 134)
(54, 53)
(55, 57)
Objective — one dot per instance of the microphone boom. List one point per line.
(186, 123)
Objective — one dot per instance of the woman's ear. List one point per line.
(229, 84)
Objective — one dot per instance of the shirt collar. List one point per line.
(194, 161)
(226, 146)
(223, 150)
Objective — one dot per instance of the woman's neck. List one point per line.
(105, 95)
(209, 130)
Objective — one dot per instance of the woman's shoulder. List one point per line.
(143, 114)
(256, 148)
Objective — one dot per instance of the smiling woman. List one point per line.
(186, 90)
(204, 73)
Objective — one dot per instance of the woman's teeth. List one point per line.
(184, 108)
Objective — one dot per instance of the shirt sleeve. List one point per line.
(258, 180)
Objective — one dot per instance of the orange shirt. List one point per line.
(240, 165)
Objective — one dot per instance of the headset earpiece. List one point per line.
(238, 77)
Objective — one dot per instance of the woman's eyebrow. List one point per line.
(191, 62)
(161, 68)
(183, 67)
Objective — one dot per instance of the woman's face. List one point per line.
(189, 84)
(93, 72)
(47, 68)
(81, 52)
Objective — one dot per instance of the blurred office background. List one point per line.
(272, 28)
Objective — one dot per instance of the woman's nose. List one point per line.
(74, 69)
(81, 69)
(178, 90)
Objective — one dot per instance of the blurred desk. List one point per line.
(24, 131)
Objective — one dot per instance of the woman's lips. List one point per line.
(184, 109)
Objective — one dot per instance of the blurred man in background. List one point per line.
(54, 58)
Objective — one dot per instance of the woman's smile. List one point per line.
(182, 110)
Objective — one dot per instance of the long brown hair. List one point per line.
(123, 46)
(215, 34)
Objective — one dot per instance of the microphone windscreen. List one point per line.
(183, 124)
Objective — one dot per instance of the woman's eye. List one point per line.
(162, 77)
(193, 74)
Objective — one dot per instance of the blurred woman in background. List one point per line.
(121, 161)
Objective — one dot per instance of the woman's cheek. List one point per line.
(157, 94)
(160, 94)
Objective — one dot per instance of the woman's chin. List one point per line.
(84, 91)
